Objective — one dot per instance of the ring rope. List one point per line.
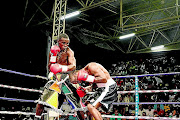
(20, 88)
(27, 113)
(129, 76)
(119, 92)
(32, 101)
(17, 112)
(148, 91)
(39, 102)
(107, 116)
(24, 74)
(15, 99)
(140, 117)
(110, 116)
(115, 103)
(152, 103)
(143, 75)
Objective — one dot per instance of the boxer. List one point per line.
(61, 60)
(61, 57)
(106, 92)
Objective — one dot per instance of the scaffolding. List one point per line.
(58, 23)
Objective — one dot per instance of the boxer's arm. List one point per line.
(56, 68)
(71, 60)
(53, 55)
(99, 75)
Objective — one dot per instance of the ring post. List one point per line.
(136, 97)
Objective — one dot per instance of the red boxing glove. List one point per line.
(84, 76)
(56, 68)
(81, 91)
(54, 51)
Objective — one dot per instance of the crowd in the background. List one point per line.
(148, 66)
(162, 110)
(163, 82)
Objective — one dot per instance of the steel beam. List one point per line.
(94, 5)
(34, 13)
(58, 24)
(121, 17)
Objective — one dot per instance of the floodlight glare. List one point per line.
(70, 15)
(127, 36)
(157, 47)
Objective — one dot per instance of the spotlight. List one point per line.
(127, 36)
(70, 15)
(157, 47)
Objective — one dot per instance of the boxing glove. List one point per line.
(56, 68)
(81, 91)
(84, 76)
(54, 51)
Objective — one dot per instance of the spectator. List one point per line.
(166, 114)
(141, 110)
(156, 114)
(143, 114)
(159, 111)
(166, 108)
(176, 110)
(116, 113)
(150, 111)
(129, 98)
(132, 110)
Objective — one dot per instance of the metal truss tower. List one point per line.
(58, 23)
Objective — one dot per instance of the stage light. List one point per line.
(70, 15)
(157, 47)
(127, 36)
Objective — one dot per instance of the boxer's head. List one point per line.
(63, 41)
(73, 77)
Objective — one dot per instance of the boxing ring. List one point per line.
(136, 92)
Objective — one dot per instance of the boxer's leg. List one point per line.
(94, 112)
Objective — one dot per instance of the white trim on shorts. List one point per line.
(101, 97)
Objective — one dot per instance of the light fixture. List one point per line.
(70, 15)
(127, 36)
(157, 47)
